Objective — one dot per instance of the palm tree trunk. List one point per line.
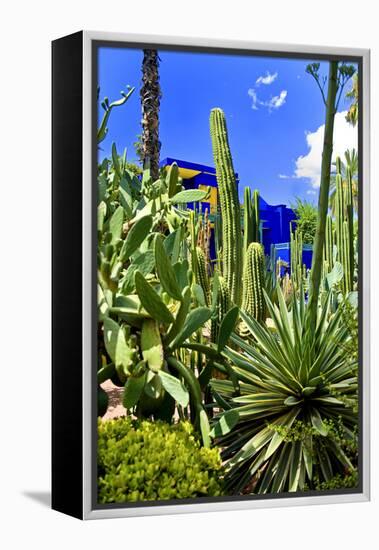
(150, 102)
(323, 200)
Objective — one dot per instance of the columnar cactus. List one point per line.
(253, 282)
(204, 237)
(350, 226)
(247, 219)
(344, 228)
(202, 275)
(251, 218)
(230, 206)
(329, 244)
(256, 216)
(296, 258)
(223, 306)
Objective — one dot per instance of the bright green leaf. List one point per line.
(151, 301)
(133, 390)
(116, 223)
(136, 235)
(175, 388)
(165, 271)
(226, 328)
(190, 195)
(195, 320)
(226, 423)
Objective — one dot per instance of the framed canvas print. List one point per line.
(210, 275)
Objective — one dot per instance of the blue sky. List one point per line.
(274, 114)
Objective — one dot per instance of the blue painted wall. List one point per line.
(275, 219)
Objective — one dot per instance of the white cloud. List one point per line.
(275, 102)
(252, 93)
(345, 137)
(284, 177)
(311, 192)
(278, 100)
(267, 79)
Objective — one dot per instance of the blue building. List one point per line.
(275, 219)
(275, 223)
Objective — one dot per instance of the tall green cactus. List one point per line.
(329, 244)
(248, 233)
(251, 218)
(350, 226)
(202, 276)
(256, 217)
(296, 258)
(344, 227)
(222, 307)
(323, 199)
(230, 206)
(253, 282)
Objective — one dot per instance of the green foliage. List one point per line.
(350, 318)
(352, 114)
(339, 74)
(286, 376)
(346, 481)
(146, 308)
(142, 460)
(285, 396)
(306, 219)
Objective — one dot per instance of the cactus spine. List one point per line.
(253, 282)
(230, 206)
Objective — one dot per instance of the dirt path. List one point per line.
(115, 407)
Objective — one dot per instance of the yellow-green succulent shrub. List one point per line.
(142, 460)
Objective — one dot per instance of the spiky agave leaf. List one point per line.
(296, 404)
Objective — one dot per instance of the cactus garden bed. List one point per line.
(243, 376)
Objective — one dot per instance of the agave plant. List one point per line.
(292, 413)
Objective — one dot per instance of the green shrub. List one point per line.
(306, 219)
(347, 481)
(143, 460)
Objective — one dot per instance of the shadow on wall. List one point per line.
(41, 497)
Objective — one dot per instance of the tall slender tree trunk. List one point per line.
(150, 103)
(323, 199)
